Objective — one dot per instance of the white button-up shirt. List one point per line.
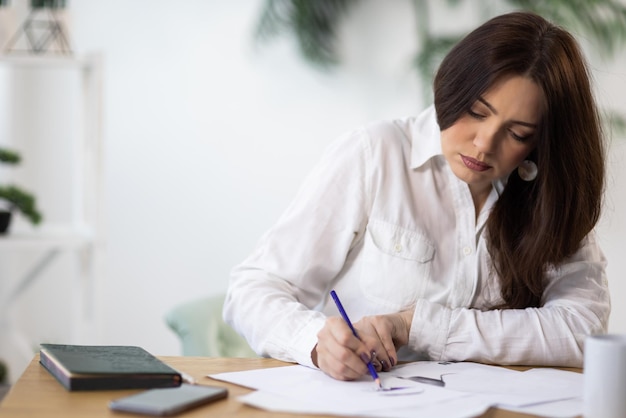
(383, 220)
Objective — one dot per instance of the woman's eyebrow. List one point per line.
(495, 112)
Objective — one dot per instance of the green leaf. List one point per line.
(53, 4)
(22, 200)
(313, 23)
(9, 157)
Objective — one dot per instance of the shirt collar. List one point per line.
(426, 137)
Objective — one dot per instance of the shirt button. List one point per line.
(397, 248)
(467, 250)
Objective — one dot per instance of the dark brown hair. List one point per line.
(534, 225)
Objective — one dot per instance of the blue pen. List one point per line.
(345, 318)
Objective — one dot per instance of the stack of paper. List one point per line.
(456, 390)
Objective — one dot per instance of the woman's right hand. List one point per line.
(343, 356)
(339, 353)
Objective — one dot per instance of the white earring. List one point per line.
(527, 170)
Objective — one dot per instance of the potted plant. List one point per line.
(3, 372)
(44, 30)
(14, 197)
(52, 4)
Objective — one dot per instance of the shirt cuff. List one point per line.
(305, 341)
(429, 329)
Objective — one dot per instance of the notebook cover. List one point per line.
(102, 367)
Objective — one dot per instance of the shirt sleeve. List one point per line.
(273, 295)
(575, 304)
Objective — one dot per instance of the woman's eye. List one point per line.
(475, 115)
(520, 138)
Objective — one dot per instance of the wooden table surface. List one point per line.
(38, 394)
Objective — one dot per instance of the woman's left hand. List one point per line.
(392, 332)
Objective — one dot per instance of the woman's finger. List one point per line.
(378, 332)
(339, 353)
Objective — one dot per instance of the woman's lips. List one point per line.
(474, 164)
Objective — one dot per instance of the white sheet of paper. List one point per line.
(469, 387)
(553, 380)
(502, 386)
(569, 408)
(337, 397)
(464, 407)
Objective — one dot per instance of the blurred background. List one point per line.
(199, 131)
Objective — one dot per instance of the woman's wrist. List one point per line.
(314, 356)
(404, 326)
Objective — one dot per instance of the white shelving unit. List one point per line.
(80, 234)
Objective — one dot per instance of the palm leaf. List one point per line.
(313, 23)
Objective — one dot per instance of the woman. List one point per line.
(464, 234)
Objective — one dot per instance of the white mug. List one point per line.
(604, 372)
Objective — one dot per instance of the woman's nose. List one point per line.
(486, 140)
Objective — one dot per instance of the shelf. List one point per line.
(44, 82)
(45, 240)
(24, 60)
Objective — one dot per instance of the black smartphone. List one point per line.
(168, 401)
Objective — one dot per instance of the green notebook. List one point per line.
(102, 367)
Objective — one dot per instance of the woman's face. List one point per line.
(496, 134)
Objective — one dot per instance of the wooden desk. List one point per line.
(38, 394)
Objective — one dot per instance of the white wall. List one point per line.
(207, 138)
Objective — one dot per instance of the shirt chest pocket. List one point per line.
(396, 265)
